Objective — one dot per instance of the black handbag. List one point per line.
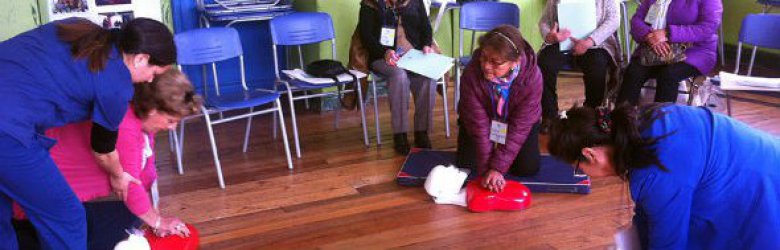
(648, 57)
(330, 69)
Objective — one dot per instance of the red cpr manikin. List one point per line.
(174, 242)
(515, 196)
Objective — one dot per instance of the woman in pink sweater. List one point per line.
(157, 106)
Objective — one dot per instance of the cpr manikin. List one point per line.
(147, 240)
(444, 185)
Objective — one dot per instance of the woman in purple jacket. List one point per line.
(684, 21)
(500, 109)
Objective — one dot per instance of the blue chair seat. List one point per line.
(449, 5)
(465, 60)
(241, 99)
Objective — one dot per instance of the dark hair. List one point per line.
(504, 39)
(170, 93)
(138, 36)
(585, 127)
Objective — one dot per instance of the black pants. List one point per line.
(594, 65)
(526, 162)
(667, 78)
(106, 224)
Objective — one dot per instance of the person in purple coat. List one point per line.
(683, 21)
(500, 109)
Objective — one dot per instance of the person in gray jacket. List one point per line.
(595, 55)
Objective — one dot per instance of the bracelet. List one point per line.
(157, 223)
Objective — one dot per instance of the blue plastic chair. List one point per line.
(209, 46)
(758, 30)
(299, 29)
(481, 17)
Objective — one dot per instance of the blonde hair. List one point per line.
(170, 93)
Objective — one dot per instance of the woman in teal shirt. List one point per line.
(59, 73)
(699, 180)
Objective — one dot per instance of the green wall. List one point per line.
(17, 16)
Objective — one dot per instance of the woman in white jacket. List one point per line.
(594, 55)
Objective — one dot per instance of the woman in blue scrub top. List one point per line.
(699, 180)
(59, 73)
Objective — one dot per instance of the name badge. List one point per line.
(388, 37)
(498, 132)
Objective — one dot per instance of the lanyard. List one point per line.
(393, 22)
(494, 103)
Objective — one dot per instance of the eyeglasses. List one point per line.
(493, 62)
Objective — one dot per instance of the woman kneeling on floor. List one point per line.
(500, 108)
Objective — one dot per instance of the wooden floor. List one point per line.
(342, 195)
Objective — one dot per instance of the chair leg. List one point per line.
(248, 129)
(155, 195)
(181, 138)
(274, 125)
(278, 105)
(446, 109)
(306, 101)
(170, 140)
(457, 86)
(728, 102)
(338, 110)
(177, 151)
(294, 124)
(376, 113)
(693, 91)
(362, 113)
(214, 148)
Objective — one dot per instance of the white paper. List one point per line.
(430, 65)
(299, 74)
(579, 17)
(729, 81)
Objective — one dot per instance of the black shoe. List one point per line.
(401, 144)
(421, 139)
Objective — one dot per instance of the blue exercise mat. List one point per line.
(554, 175)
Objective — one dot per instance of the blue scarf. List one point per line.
(500, 86)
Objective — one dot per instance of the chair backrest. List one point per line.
(762, 30)
(770, 2)
(484, 16)
(302, 28)
(298, 29)
(209, 46)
